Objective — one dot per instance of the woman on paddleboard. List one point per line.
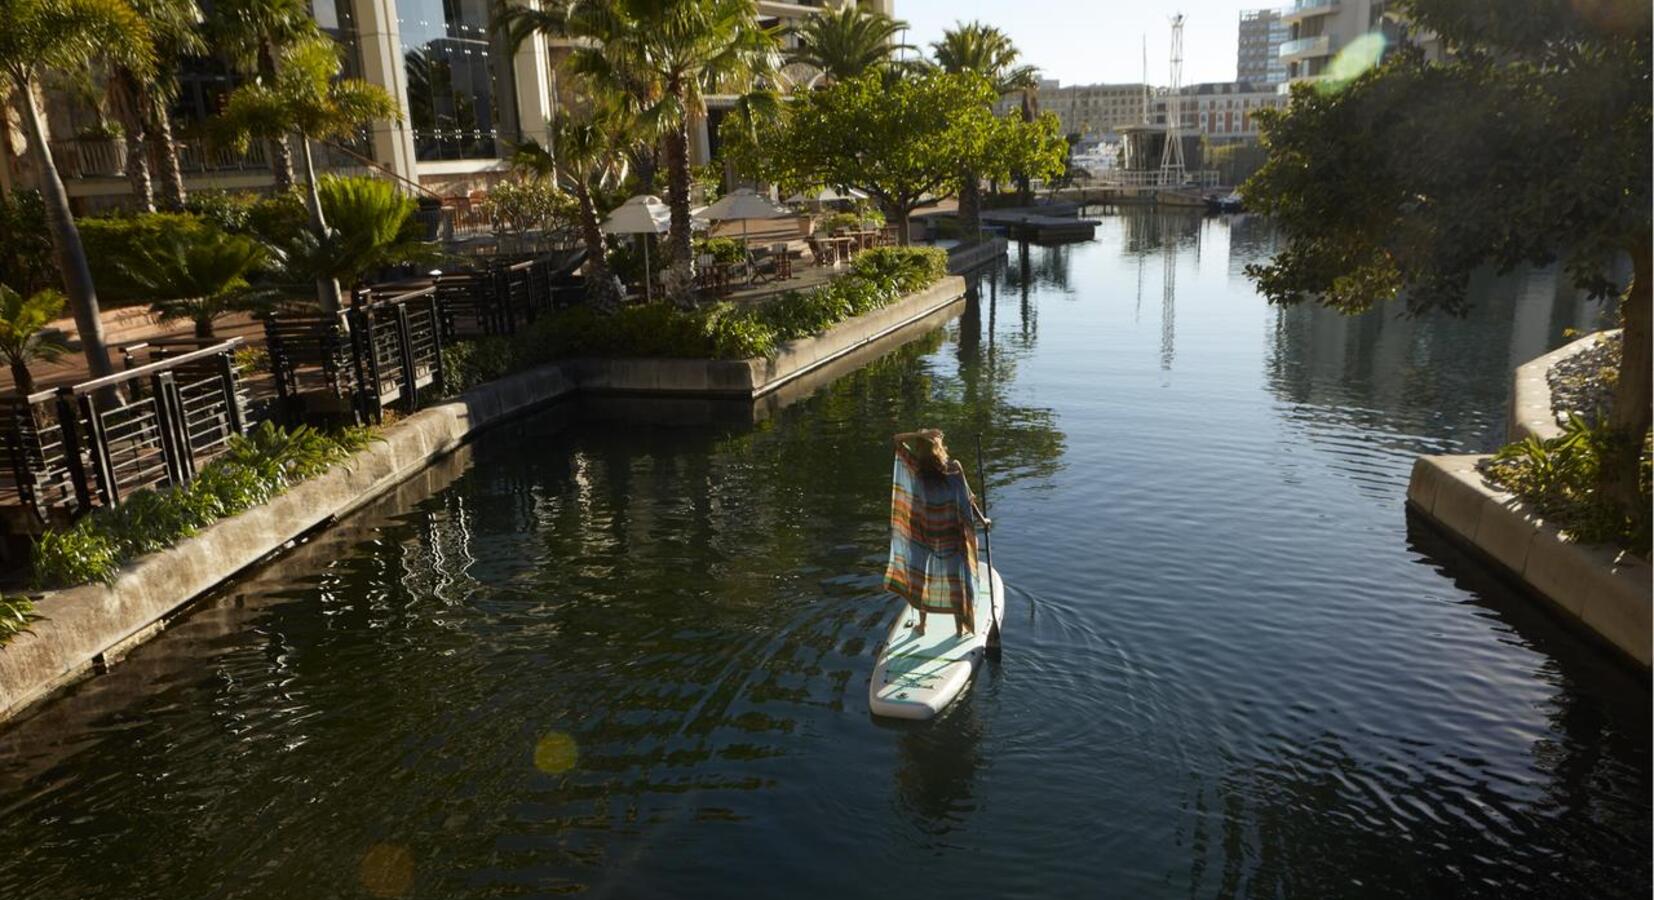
(933, 517)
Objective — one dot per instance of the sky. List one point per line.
(1085, 41)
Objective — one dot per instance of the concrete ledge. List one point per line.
(1531, 414)
(1608, 592)
(87, 627)
(964, 258)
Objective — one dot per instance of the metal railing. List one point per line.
(1317, 45)
(90, 444)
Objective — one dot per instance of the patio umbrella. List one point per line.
(743, 204)
(828, 195)
(643, 214)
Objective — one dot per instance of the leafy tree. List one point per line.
(1531, 143)
(23, 335)
(986, 51)
(307, 98)
(252, 35)
(586, 155)
(664, 57)
(140, 99)
(197, 275)
(902, 142)
(65, 35)
(26, 243)
(847, 42)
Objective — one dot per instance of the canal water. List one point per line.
(593, 656)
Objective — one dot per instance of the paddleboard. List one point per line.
(918, 675)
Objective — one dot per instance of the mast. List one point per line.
(1171, 158)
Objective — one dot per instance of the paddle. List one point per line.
(988, 544)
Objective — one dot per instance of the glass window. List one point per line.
(462, 100)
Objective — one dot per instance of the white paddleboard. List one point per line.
(918, 675)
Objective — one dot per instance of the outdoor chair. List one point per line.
(783, 261)
(822, 252)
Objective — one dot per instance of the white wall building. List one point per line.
(1319, 29)
(1258, 49)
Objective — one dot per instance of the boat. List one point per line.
(918, 675)
(1226, 203)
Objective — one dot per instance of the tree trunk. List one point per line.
(281, 155)
(679, 279)
(970, 206)
(904, 235)
(71, 255)
(1633, 405)
(203, 327)
(173, 195)
(22, 378)
(600, 286)
(327, 288)
(1025, 185)
(131, 108)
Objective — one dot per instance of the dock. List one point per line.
(1040, 226)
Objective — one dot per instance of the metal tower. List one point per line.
(1171, 158)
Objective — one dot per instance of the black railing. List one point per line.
(154, 425)
(396, 344)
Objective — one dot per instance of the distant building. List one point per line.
(1089, 110)
(1220, 111)
(1258, 53)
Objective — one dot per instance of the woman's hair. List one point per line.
(932, 453)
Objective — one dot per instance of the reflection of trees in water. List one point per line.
(1433, 382)
(1315, 820)
(1251, 239)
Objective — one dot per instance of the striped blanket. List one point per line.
(932, 540)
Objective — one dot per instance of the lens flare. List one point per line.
(1357, 57)
(555, 753)
(387, 870)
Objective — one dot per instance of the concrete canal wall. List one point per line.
(88, 628)
(1606, 591)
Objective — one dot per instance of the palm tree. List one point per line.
(983, 50)
(587, 153)
(664, 57)
(196, 275)
(847, 42)
(65, 35)
(140, 100)
(23, 335)
(307, 98)
(252, 34)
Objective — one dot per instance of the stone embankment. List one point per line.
(87, 628)
(1607, 591)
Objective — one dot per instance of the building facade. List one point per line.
(1317, 30)
(1258, 50)
(1088, 110)
(466, 98)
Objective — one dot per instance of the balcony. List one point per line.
(1308, 9)
(1306, 48)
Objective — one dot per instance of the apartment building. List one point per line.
(466, 98)
(1318, 29)
(1258, 51)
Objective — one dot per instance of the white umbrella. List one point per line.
(643, 214)
(828, 195)
(743, 204)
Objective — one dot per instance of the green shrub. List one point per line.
(230, 211)
(1558, 478)
(27, 263)
(723, 249)
(251, 471)
(466, 364)
(909, 268)
(109, 240)
(16, 613)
